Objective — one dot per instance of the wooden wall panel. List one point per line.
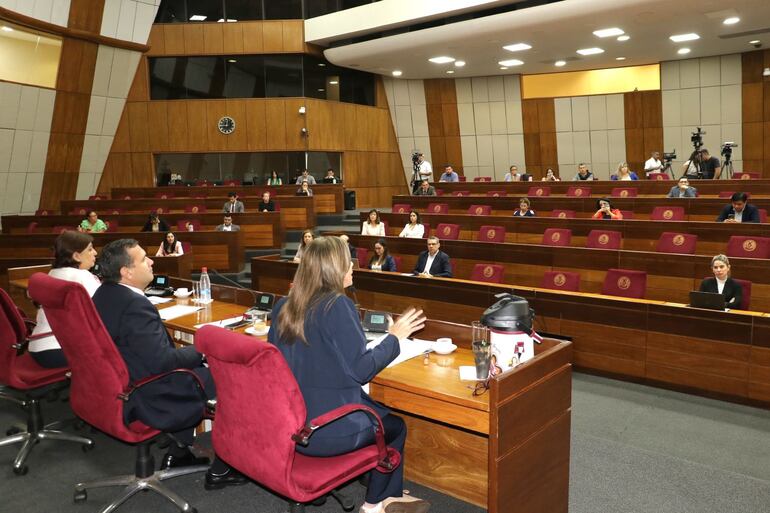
(644, 126)
(443, 125)
(293, 36)
(138, 126)
(232, 34)
(213, 39)
(253, 37)
(193, 39)
(540, 148)
(272, 36)
(140, 87)
(756, 112)
(157, 125)
(196, 125)
(86, 15)
(275, 119)
(173, 39)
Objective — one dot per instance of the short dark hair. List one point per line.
(231, 194)
(599, 202)
(739, 196)
(447, 165)
(66, 244)
(114, 257)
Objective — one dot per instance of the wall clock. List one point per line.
(226, 125)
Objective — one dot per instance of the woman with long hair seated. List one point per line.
(307, 238)
(414, 229)
(382, 260)
(318, 330)
(170, 246)
(373, 225)
(74, 256)
(624, 173)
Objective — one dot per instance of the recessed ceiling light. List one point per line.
(590, 51)
(732, 20)
(503, 67)
(620, 58)
(683, 51)
(459, 64)
(517, 47)
(228, 20)
(334, 82)
(197, 17)
(441, 60)
(450, 71)
(511, 62)
(624, 38)
(752, 42)
(320, 90)
(231, 60)
(680, 38)
(321, 64)
(609, 32)
(559, 63)
(7, 29)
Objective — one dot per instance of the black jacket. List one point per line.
(162, 226)
(440, 266)
(732, 292)
(750, 213)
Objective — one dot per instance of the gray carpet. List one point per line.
(634, 449)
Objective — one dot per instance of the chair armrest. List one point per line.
(133, 387)
(22, 346)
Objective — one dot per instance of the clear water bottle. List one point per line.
(205, 287)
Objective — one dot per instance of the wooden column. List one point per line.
(540, 152)
(756, 112)
(644, 127)
(443, 125)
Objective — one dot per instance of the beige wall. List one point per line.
(26, 61)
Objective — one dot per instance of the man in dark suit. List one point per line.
(425, 189)
(173, 404)
(739, 211)
(233, 205)
(433, 262)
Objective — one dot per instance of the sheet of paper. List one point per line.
(222, 323)
(468, 373)
(409, 348)
(172, 312)
(157, 300)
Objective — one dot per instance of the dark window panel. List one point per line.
(211, 9)
(205, 77)
(243, 10)
(245, 76)
(283, 9)
(172, 11)
(167, 78)
(283, 76)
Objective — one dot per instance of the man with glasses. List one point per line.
(683, 189)
(433, 262)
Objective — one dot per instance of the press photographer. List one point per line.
(422, 170)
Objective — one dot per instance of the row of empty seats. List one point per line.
(572, 192)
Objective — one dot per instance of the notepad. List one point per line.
(172, 312)
(409, 348)
(220, 324)
(157, 300)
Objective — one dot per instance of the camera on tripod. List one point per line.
(668, 157)
(727, 149)
(697, 139)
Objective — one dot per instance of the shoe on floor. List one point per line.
(405, 504)
(230, 478)
(188, 460)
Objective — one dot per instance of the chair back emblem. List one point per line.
(562, 215)
(624, 282)
(539, 192)
(745, 176)
(559, 280)
(159, 210)
(749, 245)
(446, 230)
(163, 196)
(479, 210)
(126, 197)
(195, 210)
(659, 177)
(488, 271)
(555, 237)
(604, 239)
(578, 192)
(401, 210)
(678, 240)
(437, 208)
(495, 195)
(624, 193)
(668, 214)
(490, 234)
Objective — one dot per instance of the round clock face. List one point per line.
(226, 125)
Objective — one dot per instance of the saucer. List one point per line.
(251, 331)
(443, 348)
(182, 296)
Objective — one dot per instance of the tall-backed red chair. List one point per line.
(577, 191)
(563, 214)
(115, 211)
(186, 247)
(397, 259)
(762, 215)
(672, 242)
(100, 386)
(202, 183)
(362, 254)
(483, 179)
(624, 192)
(401, 208)
(126, 197)
(539, 191)
(492, 234)
(627, 214)
(232, 183)
(625, 283)
(561, 280)
(728, 194)
(557, 237)
(439, 192)
(261, 417)
(181, 225)
(489, 273)
(426, 230)
(745, 294)
(195, 209)
(667, 214)
(78, 211)
(480, 210)
(604, 239)
(748, 246)
(448, 231)
(165, 195)
(112, 225)
(27, 384)
(658, 176)
(461, 193)
(438, 208)
(160, 210)
(463, 178)
(32, 227)
(496, 194)
(746, 176)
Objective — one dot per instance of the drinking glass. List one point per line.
(482, 357)
(480, 333)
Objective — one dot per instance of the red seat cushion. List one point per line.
(492, 234)
(604, 239)
(625, 283)
(557, 237)
(672, 242)
(561, 280)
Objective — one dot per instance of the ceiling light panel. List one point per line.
(590, 51)
(517, 47)
(683, 51)
(197, 17)
(624, 38)
(441, 59)
(732, 20)
(397, 72)
(459, 64)
(559, 64)
(511, 62)
(681, 38)
(609, 32)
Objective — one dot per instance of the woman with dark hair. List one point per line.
(92, 223)
(605, 210)
(318, 330)
(155, 224)
(274, 179)
(74, 255)
(170, 246)
(722, 283)
(414, 229)
(381, 260)
(307, 238)
(373, 225)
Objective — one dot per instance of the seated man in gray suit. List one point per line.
(227, 225)
(233, 205)
(683, 189)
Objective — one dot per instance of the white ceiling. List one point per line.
(555, 31)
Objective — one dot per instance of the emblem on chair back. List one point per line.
(678, 240)
(401, 210)
(624, 193)
(163, 196)
(624, 282)
(479, 210)
(604, 239)
(194, 210)
(559, 280)
(659, 177)
(488, 271)
(539, 192)
(490, 234)
(447, 230)
(437, 208)
(745, 176)
(43, 212)
(495, 195)
(126, 197)
(668, 214)
(159, 210)
(578, 192)
(563, 215)
(749, 245)
(555, 237)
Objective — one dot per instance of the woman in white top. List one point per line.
(413, 230)
(74, 255)
(170, 246)
(550, 176)
(373, 225)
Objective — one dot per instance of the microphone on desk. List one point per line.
(253, 294)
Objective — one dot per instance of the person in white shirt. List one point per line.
(414, 229)
(170, 246)
(373, 225)
(74, 256)
(512, 175)
(425, 169)
(653, 165)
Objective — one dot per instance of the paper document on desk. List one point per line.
(157, 300)
(222, 323)
(409, 348)
(172, 312)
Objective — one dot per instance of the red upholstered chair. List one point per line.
(96, 197)
(201, 183)
(232, 183)
(165, 195)
(745, 294)
(489, 273)
(480, 210)
(463, 178)
(625, 283)
(728, 194)
(483, 179)
(762, 215)
(492, 234)
(746, 176)
(32, 227)
(397, 259)
(578, 191)
(78, 211)
(672, 242)
(658, 176)
(439, 192)
(100, 386)
(461, 193)
(426, 230)
(748, 246)
(362, 254)
(401, 208)
(438, 208)
(604, 239)
(160, 210)
(557, 237)
(194, 209)
(497, 194)
(386, 227)
(563, 214)
(259, 426)
(561, 280)
(667, 214)
(277, 206)
(45, 212)
(539, 191)
(624, 192)
(112, 225)
(186, 247)
(181, 225)
(448, 231)
(26, 383)
(627, 214)
(126, 197)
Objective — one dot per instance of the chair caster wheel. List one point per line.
(21, 471)
(88, 447)
(12, 431)
(80, 496)
(320, 501)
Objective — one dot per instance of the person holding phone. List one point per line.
(739, 211)
(605, 210)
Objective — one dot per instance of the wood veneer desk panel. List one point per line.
(260, 230)
(638, 235)
(220, 250)
(670, 277)
(720, 354)
(327, 198)
(296, 212)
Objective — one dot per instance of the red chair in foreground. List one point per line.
(762, 215)
(100, 386)
(480, 210)
(561, 280)
(492, 234)
(539, 191)
(557, 237)
(401, 208)
(672, 242)
(563, 214)
(658, 176)
(624, 192)
(261, 417)
(666, 214)
(362, 254)
(461, 193)
(488, 273)
(27, 384)
(483, 179)
(748, 247)
(496, 194)
(578, 192)
(604, 239)
(745, 293)
(746, 176)
(448, 231)
(438, 208)
(625, 283)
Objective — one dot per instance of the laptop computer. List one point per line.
(708, 300)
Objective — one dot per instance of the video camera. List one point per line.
(727, 150)
(668, 157)
(697, 139)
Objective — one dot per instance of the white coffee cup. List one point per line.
(182, 291)
(444, 341)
